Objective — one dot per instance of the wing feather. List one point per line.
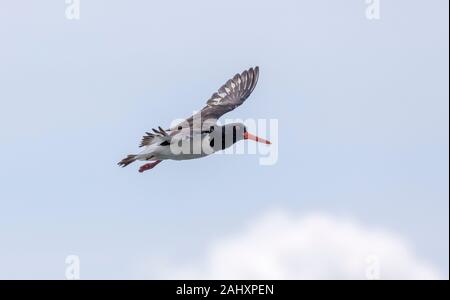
(232, 94)
(229, 96)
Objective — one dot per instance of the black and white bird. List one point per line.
(200, 135)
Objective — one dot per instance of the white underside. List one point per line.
(157, 152)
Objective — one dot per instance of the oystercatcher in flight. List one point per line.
(200, 135)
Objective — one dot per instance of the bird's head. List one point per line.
(238, 132)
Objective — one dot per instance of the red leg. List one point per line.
(148, 166)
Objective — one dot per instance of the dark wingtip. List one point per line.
(257, 71)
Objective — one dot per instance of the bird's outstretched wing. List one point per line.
(230, 95)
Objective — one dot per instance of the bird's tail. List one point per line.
(127, 160)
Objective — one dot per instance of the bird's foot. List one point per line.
(148, 166)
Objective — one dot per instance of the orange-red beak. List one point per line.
(249, 136)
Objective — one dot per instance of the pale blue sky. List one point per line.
(362, 108)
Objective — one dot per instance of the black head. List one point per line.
(231, 133)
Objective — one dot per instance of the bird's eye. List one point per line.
(211, 129)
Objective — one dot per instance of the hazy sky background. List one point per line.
(363, 126)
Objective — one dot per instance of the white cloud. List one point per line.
(316, 246)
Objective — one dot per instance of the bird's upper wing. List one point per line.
(230, 95)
